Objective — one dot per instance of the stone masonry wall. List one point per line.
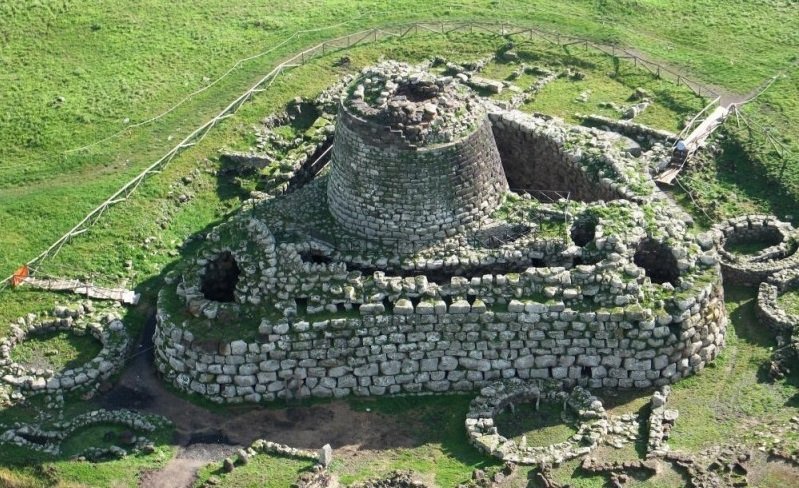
(439, 349)
(536, 157)
(380, 190)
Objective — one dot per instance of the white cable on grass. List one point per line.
(223, 76)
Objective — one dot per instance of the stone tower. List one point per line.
(414, 157)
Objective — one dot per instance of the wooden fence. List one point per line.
(502, 29)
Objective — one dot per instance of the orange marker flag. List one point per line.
(19, 276)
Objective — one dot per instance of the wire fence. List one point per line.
(342, 43)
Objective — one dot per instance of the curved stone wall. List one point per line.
(439, 348)
(751, 270)
(104, 325)
(537, 155)
(585, 408)
(382, 188)
(769, 311)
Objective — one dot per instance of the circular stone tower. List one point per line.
(414, 157)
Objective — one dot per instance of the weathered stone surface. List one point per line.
(394, 274)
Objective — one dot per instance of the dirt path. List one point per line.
(206, 436)
(179, 472)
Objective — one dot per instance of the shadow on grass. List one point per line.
(748, 328)
(743, 317)
(47, 350)
(735, 172)
(544, 422)
(436, 420)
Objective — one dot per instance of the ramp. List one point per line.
(693, 142)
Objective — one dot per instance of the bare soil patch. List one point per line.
(206, 436)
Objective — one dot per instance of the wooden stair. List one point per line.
(693, 142)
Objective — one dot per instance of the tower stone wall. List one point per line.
(381, 187)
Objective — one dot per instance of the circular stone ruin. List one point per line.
(590, 417)
(780, 242)
(414, 157)
(768, 308)
(103, 325)
(609, 288)
(50, 440)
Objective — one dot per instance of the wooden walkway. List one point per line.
(693, 142)
(74, 286)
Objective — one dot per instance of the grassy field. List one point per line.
(540, 427)
(56, 351)
(76, 72)
(789, 301)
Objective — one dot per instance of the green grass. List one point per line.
(437, 448)
(733, 396)
(263, 471)
(758, 170)
(112, 63)
(737, 182)
(789, 301)
(57, 351)
(747, 247)
(560, 97)
(440, 450)
(63, 471)
(45, 470)
(542, 427)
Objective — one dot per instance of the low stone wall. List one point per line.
(661, 420)
(633, 130)
(751, 270)
(769, 311)
(483, 434)
(104, 325)
(440, 349)
(49, 440)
